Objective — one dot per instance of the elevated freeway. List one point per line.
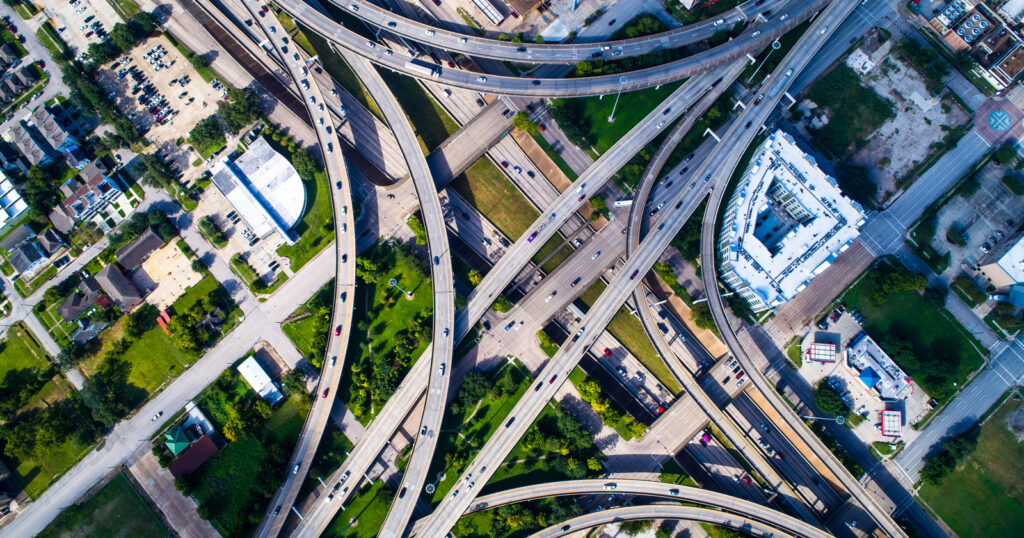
(473, 45)
(721, 168)
(444, 291)
(341, 312)
(660, 490)
(518, 256)
(780, 23)
(744, 525)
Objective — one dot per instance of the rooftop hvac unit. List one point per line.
(983, 24)
(977, 31)
(975, 17)
(960, 32)
(968, 38)
(968, 24)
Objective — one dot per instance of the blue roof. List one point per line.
(1016, 297)
(869, 377)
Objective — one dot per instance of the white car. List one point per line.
(371, 44)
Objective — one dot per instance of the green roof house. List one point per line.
(177, 440)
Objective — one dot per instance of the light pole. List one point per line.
(775, 46)
(394, 284)
(622, 82)
(838, 419)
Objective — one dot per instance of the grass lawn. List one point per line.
(673, 473)
(26, 289)
(630, 332)
(430, 122)
(364, 514)
(985, 495)
(117, 510)
(577, 377)
(632, 108)
(302, 331)
(554, 248)
(487, 188)
(855, 110)
(387, 322)
(929, 331)
(487, 418)
(127, 8)
(559, 161)
(208, 149)
(316, 229)
(20, 350)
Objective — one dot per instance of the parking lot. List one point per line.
(262, 255)
(73, 20)
(986, 219)
(155, 82)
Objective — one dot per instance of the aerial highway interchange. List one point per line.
(807, 493)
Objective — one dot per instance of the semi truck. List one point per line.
(782, 82)
(424, 68)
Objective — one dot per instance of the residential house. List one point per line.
(75, 305)
(77, 157)
(24, 253)
(131, 255)
(52, 129)
(8, 54)
(193, 457)
(91, 195)
(16, 237)
(10, 159)
(119, 287)
(30, 144)
(50, 241)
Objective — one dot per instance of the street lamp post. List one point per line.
(775, 46)
(838, 419)
(394, 284)
(622, 82)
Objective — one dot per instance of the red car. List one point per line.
(608, 352)
(451, 64)
(325, 393)
(337, 331)
(504, 164)
(552, 380)
(661, 409)
(541, 127)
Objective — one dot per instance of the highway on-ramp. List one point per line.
(735, 142)
(344, 286)
(782, 21)
(444, 292)
(646, 488)
(569, 53)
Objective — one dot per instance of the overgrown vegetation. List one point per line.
(829, 400)
(855, 111)
(945, 459)
(611, 414)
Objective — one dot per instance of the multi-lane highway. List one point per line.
(735, 142)
(529, 52)
(783, 20)
(745, 525)
(645, 488)
(444, 292)
(344, 286)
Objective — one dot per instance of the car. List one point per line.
(740, 383)
(574, 282)
(510, 421)
(273, 30)
(518, 325)
(371, 44)
(401, 493)
(739, 375)
(595, 256)
(345, 476)
(423, 430)
(334, 360)
(736, 478)
(446, 331)
(635, 272)
(549, 297)
(89, 34)
(158, 415)
(509, 326)
(504, 164)
(337, 185)
(611, 22)
(344, 258)
(532, 237)
(295, 470)
(479, 102)
(610, 486)
(481, 78)
(437, 260)
(535, 82)
(552, 380)
(337, 330)
(440, 369)
(517, 169)
(746, 480)
(673, 491)
(451, 64)
(660, 125)
(324, 395)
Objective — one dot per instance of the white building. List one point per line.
(785, 224)
(876, 370)
(264, 189)
(257, 378)
(11, 204)
(1004, 266)
(892, 423)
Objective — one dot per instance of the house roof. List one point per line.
(136, 251)
(73, 306)
(50, 241)
(25, 255)
(27, 144)
(13, 239)
(869, 377)
(89, 285)
(194, 457)
(61, 220)
(7, 53)
(118, 286)
(176, 440)
(50, 127)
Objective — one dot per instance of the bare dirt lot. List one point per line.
(918, 129)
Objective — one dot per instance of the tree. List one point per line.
(636, 526)
(145, 22)
(305, 164)
(539, 39)
(702, 316)
(829, 400)
(523, 122)
(241, 109)
(233, 430)
(294, 381)
(416, 225)
(474, 277)
(1005, 154)
(502, 304)
(122, 37)
(208, 132)
(106, 392)
(262, 409)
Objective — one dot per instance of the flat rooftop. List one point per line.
(1013, 261)
(264, 188)
(786, 222)
(877, 371)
